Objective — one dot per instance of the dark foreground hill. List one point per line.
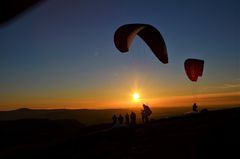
(212, 134)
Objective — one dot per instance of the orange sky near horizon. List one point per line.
(214, 99)
(157, 93)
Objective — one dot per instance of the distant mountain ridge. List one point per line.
(84, 116)
(92, 116)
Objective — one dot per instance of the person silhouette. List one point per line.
(143, 116)
(195, 107)
(146, 112)
(114, 118)
(133, 118)
(120, 119)
(127, 119)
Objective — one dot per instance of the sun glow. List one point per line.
(136, 96)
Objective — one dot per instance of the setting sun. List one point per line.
(136, 96)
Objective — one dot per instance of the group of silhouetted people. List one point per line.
(132, 118)
(145, 113)
(129, 119)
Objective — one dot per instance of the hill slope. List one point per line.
(207, 135)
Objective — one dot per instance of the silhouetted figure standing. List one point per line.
(114, 118)
(120, 119)
(127, 119)
(146, 112)
(143, 116)
(195, 107)
(133, 118)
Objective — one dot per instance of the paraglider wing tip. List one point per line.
(165, 61)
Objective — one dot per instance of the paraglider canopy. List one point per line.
(13, 8)
(125, 34)
(194, 68)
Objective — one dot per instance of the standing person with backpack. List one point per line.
(146, 112)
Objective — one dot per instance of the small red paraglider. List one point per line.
(194, 68)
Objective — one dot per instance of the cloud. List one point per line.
(234, 84)
(225, 86)
(226, 98)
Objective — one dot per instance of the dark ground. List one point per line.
(212, 134)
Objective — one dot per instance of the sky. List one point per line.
(61, 54)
